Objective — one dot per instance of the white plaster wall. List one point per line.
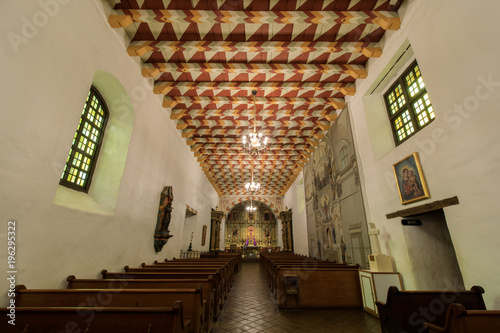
(295, 199)
(456, 45)
(45, 79)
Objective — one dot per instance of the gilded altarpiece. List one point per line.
(250, 230)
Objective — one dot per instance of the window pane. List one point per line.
(86, 142)
(396, 99)
(423, 110)
(403, 125)
(408, 104)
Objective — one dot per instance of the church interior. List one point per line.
(308, 162)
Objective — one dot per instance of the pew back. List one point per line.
(408, 310)
(192, 300)
(95, 320)
(324, 288)
(461, 320)
(206, 285)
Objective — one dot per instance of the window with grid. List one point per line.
(86, 143)
(408, 104)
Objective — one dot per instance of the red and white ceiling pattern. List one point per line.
(302, 56)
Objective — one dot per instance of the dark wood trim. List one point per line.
(424, 208)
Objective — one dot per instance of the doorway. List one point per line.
(432, 255)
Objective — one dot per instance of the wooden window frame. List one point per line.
(407, 106)
(74, 147)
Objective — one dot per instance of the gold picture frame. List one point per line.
(410, 180)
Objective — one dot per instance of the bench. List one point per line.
(192, 300)
(273, 272)
(95, 319)
(461, 320)
(407, 311)
(323, 288)
(216, 285)
(206, 285)
(218, 276)
(227, 270)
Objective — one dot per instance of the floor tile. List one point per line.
(251, 308)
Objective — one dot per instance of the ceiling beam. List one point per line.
(271, 133)
(233, 71)
(268, 89)
(123, 18)
(188, 50)
(247, 122)
(179, 101)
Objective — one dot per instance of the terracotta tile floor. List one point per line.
(251, 308)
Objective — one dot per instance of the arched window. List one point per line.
(87, 141)
(344, 162)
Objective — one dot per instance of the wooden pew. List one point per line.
(192, 300)
(216, 284)
(232, 263)
(218, 274)
(206, 285)
(227, 270)
(275, 278)
(324, 288)
(407, 311)
(234, 255)
(95, 320)
(461, 320)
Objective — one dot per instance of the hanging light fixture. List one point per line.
(251, 208)
(252, 187)
(255, 143)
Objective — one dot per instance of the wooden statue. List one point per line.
(162, 234)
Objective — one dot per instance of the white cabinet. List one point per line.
(374, 286)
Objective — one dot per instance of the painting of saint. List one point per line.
(410, 179)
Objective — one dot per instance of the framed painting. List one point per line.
(203, 235)
(410, 180)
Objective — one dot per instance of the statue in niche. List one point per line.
(162, 234)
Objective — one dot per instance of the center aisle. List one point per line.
(251, 308)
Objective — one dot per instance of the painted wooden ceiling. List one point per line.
(302, 56)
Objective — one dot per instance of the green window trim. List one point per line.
(87, 141)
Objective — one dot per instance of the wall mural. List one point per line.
(336, 221)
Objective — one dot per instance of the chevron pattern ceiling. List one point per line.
(302, 56)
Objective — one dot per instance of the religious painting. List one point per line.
(204, 235)
(410, 180)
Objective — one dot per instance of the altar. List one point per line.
(250, 232)
(248, 250)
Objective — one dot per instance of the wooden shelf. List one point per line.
(424, 208)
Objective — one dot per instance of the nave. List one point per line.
(251, 308)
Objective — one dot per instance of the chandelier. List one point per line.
(252, 187)
(251, 208)
(256, 142)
